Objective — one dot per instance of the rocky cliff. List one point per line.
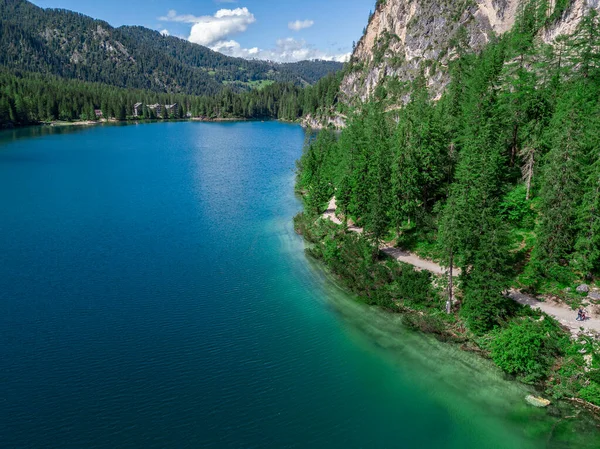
(405, 37)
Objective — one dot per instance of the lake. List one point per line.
(154, 294)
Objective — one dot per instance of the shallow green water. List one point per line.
(155, 295)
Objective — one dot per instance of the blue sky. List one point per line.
(284, 30)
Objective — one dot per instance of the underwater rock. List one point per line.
(537, 402)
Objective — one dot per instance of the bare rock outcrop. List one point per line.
(407, 37)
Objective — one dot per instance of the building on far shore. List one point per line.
(157, 108)
(98, 113)
(137, 109)
(172, 109)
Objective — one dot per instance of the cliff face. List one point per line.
(405, 37)
(570, 19)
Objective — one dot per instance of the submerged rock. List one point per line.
(537, 402)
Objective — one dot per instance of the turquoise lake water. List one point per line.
(154, 295)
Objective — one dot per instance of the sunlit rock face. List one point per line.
(405, 37)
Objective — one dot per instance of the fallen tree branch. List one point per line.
(588, 405)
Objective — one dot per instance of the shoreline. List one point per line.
(82, 123)
(430, 322)
(561, 312)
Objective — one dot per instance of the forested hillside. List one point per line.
(71, 45)
(499, 177)
(30, 98)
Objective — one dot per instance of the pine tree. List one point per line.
(584, 46)
(561, 185)
(588, 240)
(406, 191)
(343, 195)
(378, 172)
(470, 230)
(484, 283)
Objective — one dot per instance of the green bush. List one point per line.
(411, 285)
(516, 209)
(350, 256)
(591, 393)
(484, 306)
(594, 376)
(526, 348)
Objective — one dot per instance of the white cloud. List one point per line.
(286, 50)
(300, 24)
(172, 16)
(208, 30)
(216, 31)
(165, 32)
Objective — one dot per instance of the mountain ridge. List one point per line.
(73, 45)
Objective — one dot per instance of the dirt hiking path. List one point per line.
(396, 253)
(559, 311)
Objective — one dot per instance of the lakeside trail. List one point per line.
(397, 253)
(561, 312)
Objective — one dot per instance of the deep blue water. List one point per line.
(154, 294)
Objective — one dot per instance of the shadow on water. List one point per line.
(35, 131)
(29, 132)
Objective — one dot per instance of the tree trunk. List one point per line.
(450, 286)
(513, 151)
(527, 170)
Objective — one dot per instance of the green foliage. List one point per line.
(560, 6)
(591, 393)
(385, 283)
(381, 46)
(516, 210)
(594, 376)
(411, 286)
(317, 173)
(526, 348)
(484, 305)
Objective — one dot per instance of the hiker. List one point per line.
(581, 315)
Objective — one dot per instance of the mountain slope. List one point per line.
(407, 37)
(72, 45)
